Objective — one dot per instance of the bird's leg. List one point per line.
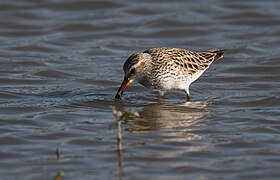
(160, 96)
(188, 95)
(188, 98)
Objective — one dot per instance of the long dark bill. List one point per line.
(126, 82)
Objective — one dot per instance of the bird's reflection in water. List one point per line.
(169, 116)
(169, 120)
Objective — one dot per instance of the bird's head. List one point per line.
(134, 67)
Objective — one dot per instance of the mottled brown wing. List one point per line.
(195, 61)
(189, 60)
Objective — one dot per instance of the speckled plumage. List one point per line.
(165, 69)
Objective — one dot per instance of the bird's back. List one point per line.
(188, 60)
(175, 68)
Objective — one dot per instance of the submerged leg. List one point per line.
(161, 93)
(160, 96)
(188, 98)
(188, 95)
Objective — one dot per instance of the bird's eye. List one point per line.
(132, 71)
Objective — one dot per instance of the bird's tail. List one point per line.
(218, 53)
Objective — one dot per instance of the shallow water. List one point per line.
(61, 64)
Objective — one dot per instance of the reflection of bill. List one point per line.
(168, 116)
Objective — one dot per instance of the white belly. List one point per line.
(179, 82)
